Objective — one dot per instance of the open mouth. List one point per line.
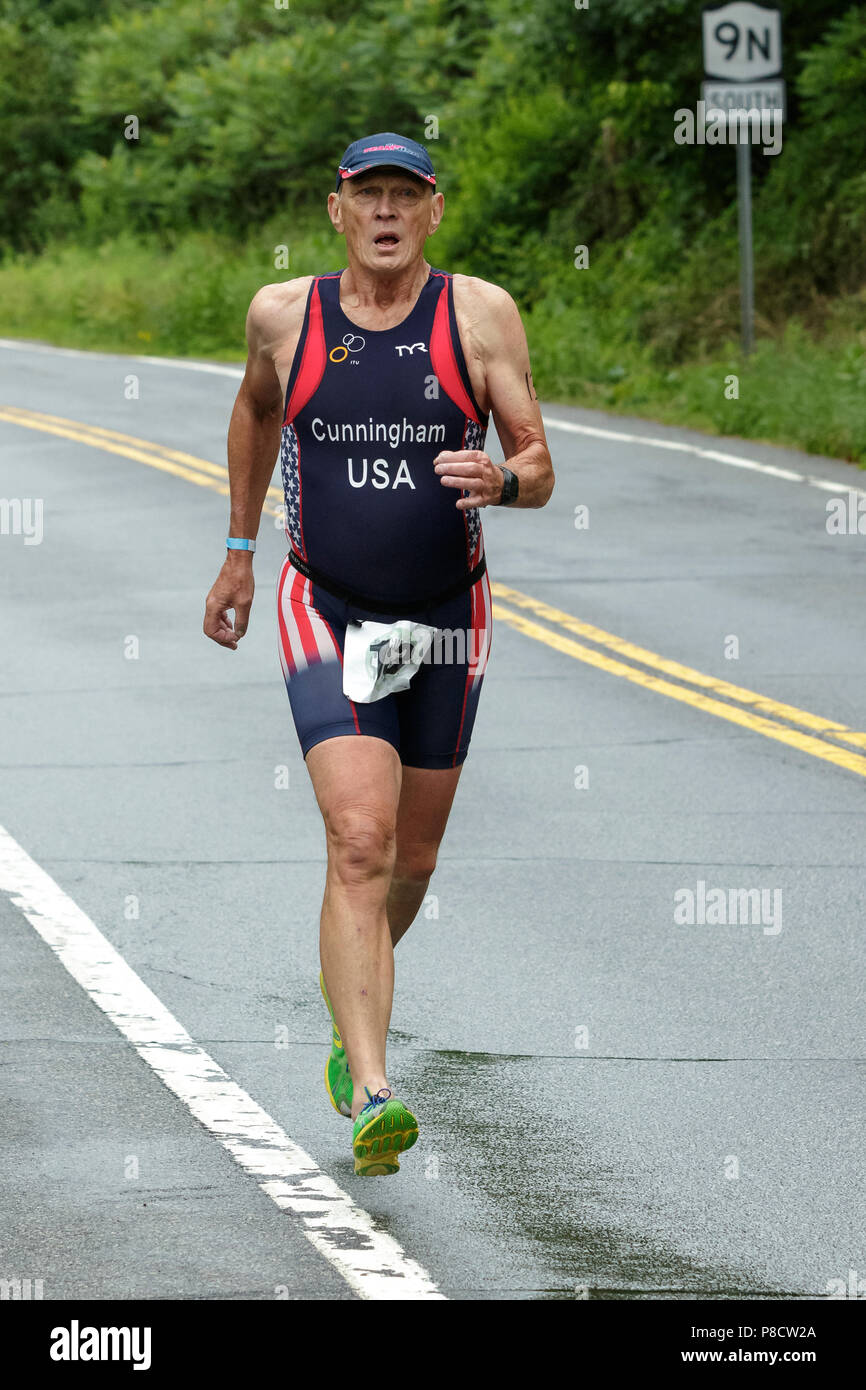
(387, 239)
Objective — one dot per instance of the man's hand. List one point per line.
(472, 469)
(233, 589)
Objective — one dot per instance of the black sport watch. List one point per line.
(510, 486)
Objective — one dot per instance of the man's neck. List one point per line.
(368, 289)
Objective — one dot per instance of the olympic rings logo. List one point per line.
(351, 343)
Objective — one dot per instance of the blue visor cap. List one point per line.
(386, 148)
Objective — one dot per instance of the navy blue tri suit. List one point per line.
(373, 532)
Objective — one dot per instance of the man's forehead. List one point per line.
(384, 173)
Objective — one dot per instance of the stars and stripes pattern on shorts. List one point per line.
(482, 627)
(305, 636)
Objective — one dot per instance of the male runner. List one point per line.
(375, 383)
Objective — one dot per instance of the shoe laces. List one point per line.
(378, 1099)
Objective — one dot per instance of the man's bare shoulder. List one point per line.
(275, 310)
(481, 297)
(486, 314)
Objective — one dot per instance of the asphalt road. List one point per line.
(613, 1103)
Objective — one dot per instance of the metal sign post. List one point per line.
(742, 49)
(747, 265)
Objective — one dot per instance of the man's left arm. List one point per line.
(499, 343)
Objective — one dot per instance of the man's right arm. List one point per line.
(253, 445)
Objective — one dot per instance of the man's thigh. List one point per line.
(358, 779)
(437, 712)
(357, 782)
(426, 797)
(312, 628)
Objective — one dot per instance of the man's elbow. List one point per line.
(534, 455)
(546, 482)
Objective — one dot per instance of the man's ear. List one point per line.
(335, 211)
(436, 211)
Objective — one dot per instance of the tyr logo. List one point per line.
(410, 350)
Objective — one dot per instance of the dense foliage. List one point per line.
(550, 126)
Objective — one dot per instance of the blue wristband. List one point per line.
(232, 543)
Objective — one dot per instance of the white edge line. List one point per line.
(550, 422)
(215, 367)
(733, 460)
(371, 1261)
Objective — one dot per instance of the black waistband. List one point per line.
(379, 605)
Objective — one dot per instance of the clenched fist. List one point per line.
(472, 469)
(234, 589)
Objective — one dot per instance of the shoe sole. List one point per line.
(378, 1145)
(347, 1114)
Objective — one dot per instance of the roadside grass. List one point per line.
(190, 299)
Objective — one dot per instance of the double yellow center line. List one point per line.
(186, 466)
(809, 733)
(772, 718)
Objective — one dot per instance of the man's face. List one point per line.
(386, 216)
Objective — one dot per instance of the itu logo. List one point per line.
(404, 347)
(351, 343)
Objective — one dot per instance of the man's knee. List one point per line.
(361, 843)
(415, 863)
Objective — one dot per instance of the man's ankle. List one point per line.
(360, 1098)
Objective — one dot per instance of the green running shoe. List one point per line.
(338, 1081)
(383, 1129)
